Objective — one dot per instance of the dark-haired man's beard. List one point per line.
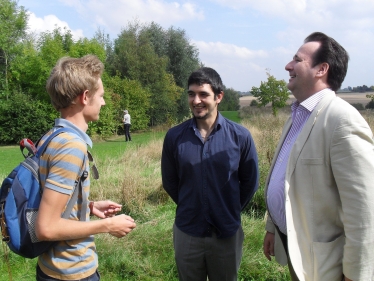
(202, 117)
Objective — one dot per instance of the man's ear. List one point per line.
(220, 96)
(323, 69)
(84, 98)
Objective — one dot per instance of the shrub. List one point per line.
(370, 105)
(358, 106)
(24, 117)
(254, 103)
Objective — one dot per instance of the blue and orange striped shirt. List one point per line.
(62, 163)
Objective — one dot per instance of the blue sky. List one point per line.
(238, 38)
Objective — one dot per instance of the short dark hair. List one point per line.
(206, 75)
(334, 55)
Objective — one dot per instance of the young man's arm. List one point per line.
(248, 171)
(50, 226)
(170, 179)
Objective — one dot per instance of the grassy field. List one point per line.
(130, 174)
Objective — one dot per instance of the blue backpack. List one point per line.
(20, 197)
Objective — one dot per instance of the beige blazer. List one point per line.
(329, 195)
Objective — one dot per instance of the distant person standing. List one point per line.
(127, 125)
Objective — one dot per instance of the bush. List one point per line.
(358, 106)
(24, 117)
(254, 103)
(370, 105)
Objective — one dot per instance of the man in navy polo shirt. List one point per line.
(210, 169)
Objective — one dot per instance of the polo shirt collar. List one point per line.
(60, 122)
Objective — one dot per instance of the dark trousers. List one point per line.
(41, 276)
(200, 257)
(127, 131)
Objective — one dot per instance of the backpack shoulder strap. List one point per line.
(78, 185)
(78, 188)
(42, 148)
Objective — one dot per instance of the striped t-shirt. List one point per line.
(60, 166)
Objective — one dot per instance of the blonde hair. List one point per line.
(71, 77)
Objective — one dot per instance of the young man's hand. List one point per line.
(104, 209)
(120, 225)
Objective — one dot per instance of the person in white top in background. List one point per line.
(127, 125)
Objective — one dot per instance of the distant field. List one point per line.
(349, 97)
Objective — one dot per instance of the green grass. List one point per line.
(116, 146)
(10, 157)
(232, 115)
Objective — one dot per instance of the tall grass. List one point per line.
(266, 130)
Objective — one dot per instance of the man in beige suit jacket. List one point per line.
(320, 189)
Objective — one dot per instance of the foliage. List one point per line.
(107, 124)
(131, 96)
(370, 96)
(182, 57)
(254, 103)
(370, 105)
(24, 117)
(13, 25)
(134, 58)
(230, 101)
(358, 106)
(33, 67)
(363, 89)
(273, 91)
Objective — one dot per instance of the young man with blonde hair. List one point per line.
(77, 92)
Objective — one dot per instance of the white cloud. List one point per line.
(224, 50)
(238, 66)
(48, 23)
(115, 14)
(322, 14)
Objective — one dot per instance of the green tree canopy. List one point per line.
(33, 67)
(134, 58)
(273, 91)
(13, 25)
(182, 57)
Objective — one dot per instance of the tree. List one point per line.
(273, 91)
(182, 57)
(230, 101)
(13, 25)
(32, 68)
(133, 97)
(23, 116)
(135, 58)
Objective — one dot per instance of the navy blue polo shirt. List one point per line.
(210, 182)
